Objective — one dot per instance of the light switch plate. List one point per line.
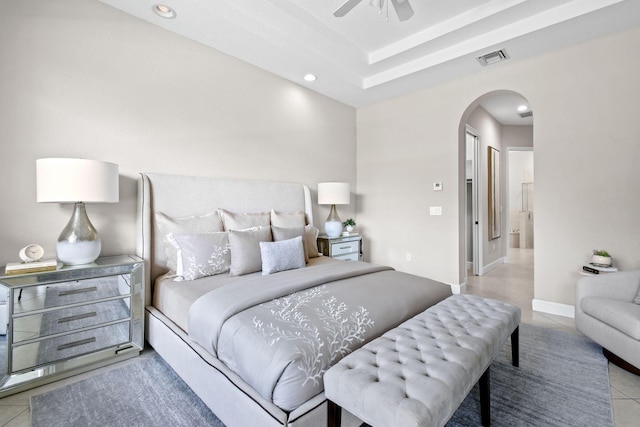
(435, 210)
(437, 186)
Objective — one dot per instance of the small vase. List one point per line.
(601, 260)
(349, 228)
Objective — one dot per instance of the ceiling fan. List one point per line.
(402, 7)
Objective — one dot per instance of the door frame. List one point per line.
(475, 200)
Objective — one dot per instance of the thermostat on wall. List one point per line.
(437, 186)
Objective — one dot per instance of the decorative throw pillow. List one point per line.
(208, 223)
(282, 255)
(245, 249)
(311, 240)
(242, 221)
(201, 255)
(286, 233)
(287, 220)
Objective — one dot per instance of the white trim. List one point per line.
(459, 289)
(495, 264)
(556, 308)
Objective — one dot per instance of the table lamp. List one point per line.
(333, 193)
(77, 181)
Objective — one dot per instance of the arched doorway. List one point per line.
(490, 129)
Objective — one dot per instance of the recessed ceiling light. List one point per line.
(523, 108)
(310, 77)
(164, 11)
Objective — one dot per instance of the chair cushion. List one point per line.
(621, 315)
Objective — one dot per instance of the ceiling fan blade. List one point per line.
(345, 8)
(403, 9)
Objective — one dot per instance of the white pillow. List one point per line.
(208, 223)
(282, 255)
(288, 220)
(242, 221)
(245, 249)
(201, 255)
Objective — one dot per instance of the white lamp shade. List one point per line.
(334, 193)
(76, 180)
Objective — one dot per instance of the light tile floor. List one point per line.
(512, 282)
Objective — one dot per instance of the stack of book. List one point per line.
(13, 268)
(599, 268)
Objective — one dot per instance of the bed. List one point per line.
(253, 344)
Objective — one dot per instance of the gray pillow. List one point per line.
(245, 249)
(287, 220)
(282, 255)
(242, 221)
(207, 223)
(201, 255)
(286, 233)
(311, 240)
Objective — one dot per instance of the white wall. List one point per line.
(81, 79)
(587, 152)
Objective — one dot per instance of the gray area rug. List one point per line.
(562, 381)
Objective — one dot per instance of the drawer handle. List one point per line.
(77, 291)
(345, 247)
(76, 343)
(77, 317)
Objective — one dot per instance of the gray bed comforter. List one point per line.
(281, 332)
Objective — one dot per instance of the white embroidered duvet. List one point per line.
(281, 332)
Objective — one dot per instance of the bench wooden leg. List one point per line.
(515, 347)
(334, 414)
(485, 399)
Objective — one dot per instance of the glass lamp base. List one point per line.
(79, 242)
(333, 228)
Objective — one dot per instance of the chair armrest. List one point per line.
(622, 286)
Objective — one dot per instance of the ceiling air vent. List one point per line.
(526, 114)
(493, 57)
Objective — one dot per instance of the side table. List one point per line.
(346, 248)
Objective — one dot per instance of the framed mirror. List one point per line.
(494, 193)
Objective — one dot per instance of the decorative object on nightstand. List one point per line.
(31, 256)
(77, 181)
(601, 258)
(333, 193)
(348, 226)
(75, 319)
(601, 262)
(346, 248)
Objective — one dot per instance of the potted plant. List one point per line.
(601, 257)
(349, 224)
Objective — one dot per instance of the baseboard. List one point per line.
(549, 307)
(489, 267)
(459, 289)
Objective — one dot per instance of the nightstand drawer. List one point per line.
(72, 292)
(341, 248)
(69, 319)
(348, 257)
(67, 346)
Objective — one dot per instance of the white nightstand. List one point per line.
(346, 248)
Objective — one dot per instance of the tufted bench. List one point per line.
(418, 373)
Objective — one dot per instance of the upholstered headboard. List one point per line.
(180, 196)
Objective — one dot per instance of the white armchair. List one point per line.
(607, 314)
